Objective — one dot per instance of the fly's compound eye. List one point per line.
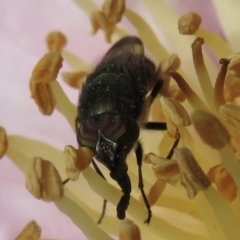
(87, 134)
(120, 129)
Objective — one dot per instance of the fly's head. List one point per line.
(112, 137)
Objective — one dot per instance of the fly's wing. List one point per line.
(126, 49)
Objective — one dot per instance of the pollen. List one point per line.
(43, 180)
(3, 142)
(188, 24)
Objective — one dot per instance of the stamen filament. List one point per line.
(87, 6)
(81, 219)
(191, 96)
(147, 35)
(217, 44)
(223, 214)
(76, 63)
(202, 73)
(63, 104)
(228, 15)
(231, 164)
(219, 84)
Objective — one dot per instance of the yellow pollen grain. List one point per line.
(188, 24)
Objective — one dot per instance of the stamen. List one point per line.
(231, 114)
(224, 181)
(176, 111)
(147, 35)
(76, 161)
(43, 97)
(31, 231)
(213, 133)
(129, 231)
(43, 180)
(114, 9)
(81, 219)
(232, 88)
(76, 63)
(74, 79)
(63, 104)
(175, 92)
(234, 65)
(56, 41)
(210, 129)
(175, 115)
(219, 45)
(202, 73)
(99, 20)
(191, 96)
(3, 142)
(219, 84)
(155, 192)
(237, 156)
(165, 169)
(47, 68)
(172, 61)
(188, 24)
(193, 177)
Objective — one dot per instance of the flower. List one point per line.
(173, 204)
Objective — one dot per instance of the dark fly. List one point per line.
(113, 106)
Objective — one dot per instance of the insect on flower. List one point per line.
(113, 107)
